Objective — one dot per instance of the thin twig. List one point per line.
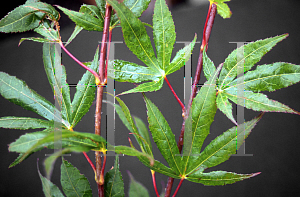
(154, 182)
(175, 95)
(89, 160)
(178, 187)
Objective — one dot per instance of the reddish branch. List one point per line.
(99, 167)
(174, 93)
(154, 183)
(205, 38)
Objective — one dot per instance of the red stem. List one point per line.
(80, 63)
(90, 162)
(174, 93)
(154, 183)
(205, 38)
(178, 187)
(108, 49)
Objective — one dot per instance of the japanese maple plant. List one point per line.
(187, 159)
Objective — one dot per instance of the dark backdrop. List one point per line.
(273, 142)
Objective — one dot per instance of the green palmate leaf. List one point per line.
(137, 40)
(218, 177)
(49, 189)
(253, 52)
(221, 148)
(16, 91)
(144, 134)
(197, 125)
(85, 93)
(208, 66)
(11, 122)
(181, 57)
(74, 183)
(136, 189)
(135, 35)
(113, 184)
(225, 106)
(124, 71)
(257, 101)
(163, 33)
(57, 77)
(270, 77)
(86, 20)
(127, 120)
(27, 17)
(163, 136)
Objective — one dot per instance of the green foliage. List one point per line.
(113, 184)
(74, 183)
(27, 17)
(221, 86)
(136, 189)
(138, 41)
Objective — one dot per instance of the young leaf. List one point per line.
(76, 31)
(136, 189)
(270, 77)
(27, 17)
(16, 91)
(74, 183)
(163, 33)
(222, 8)
(218, 177)
(197, 125)
(253, 52)
(221, 148)
(48, 32)
(85, 93)
(127, 120)
(113, 184)
(42, 40)
(18, 160)
(85, 20)
(144, 133)
(208, 66)
(58, 80)
(11, 122)
(163, 136)
(257, 101)
(49, 189)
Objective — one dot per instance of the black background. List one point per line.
(273, 142)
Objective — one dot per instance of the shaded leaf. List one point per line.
(163, 136)
(136, 189)
(48, 32)
(270, 77)
(27, 17)
(76, 31)
(18, 160)
(49, 189)
(147, 87)
(85, 93)
(197, 125)
(16, 91)
(12, 122)
(57, 77)
(85, 20)
(253, 52)
(130, 151)
(144, 133)
(218, 177)
(208, 66)
(257, 101)
(42, 40)
(221, 148)
(74, 183)
(113, 184)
